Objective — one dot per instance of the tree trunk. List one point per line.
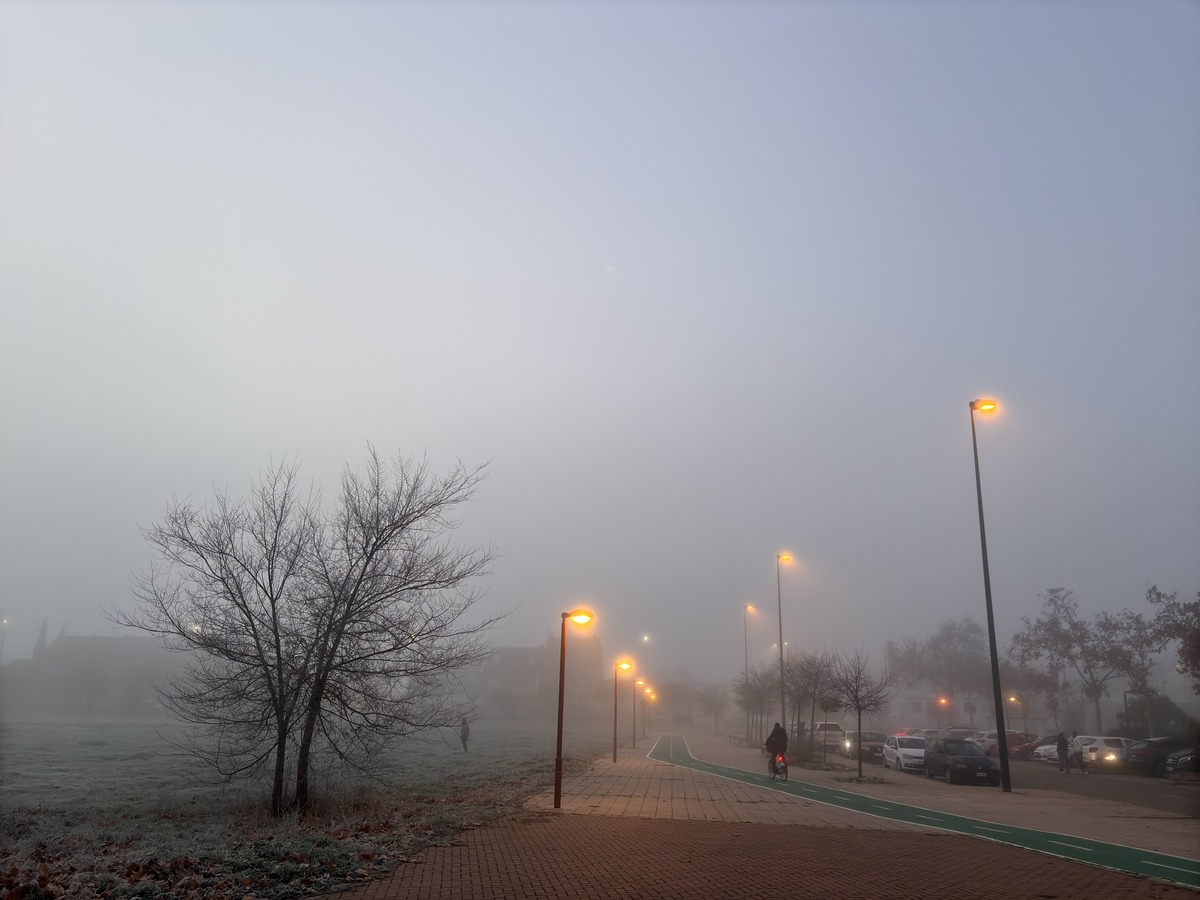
(304, 752)
(277, 781)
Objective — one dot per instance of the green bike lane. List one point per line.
(673, 749)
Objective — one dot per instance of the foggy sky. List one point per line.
(703, 282)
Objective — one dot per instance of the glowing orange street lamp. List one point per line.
(579, 617)
(987, 406)
(624, 665)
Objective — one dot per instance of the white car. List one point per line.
(1103, 750)
(1045, 753)
(904, 753)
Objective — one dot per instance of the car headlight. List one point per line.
(1110, 756)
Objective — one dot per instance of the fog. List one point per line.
(702, 283)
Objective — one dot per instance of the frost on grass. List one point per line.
(173, 840)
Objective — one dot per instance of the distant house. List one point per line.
(522, 682)
(84, 676)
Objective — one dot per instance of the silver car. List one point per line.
(904, 753)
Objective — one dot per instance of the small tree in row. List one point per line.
(858, 689)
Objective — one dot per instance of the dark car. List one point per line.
(1025, 751)
(1148, 757)
(960, 760)
(1182, 761)
(867, 743)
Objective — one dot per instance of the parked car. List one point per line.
(1026, 750)
(989, 743)
(1181, 761)
(960, 760)
(869, 743)
(956, 731)
(828, 733)
(1148, 757)
(904, 753)
(1047, 752)
(1102, 752)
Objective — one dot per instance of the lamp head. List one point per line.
(783, 557)
(579, 616)
(624, 665)
(984, 405)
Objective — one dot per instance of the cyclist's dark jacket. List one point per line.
(777, 741)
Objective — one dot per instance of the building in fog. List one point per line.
(522, 682)
(86, 676)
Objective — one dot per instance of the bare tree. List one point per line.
(753, 692)
(805, 676)
(813, 682)
(714, 699)
(954, 660)
(855, 686)
(1067, 641)
(1179, 622)
(227, 586)
(386, 612)
(332, 635)
(1133, 644)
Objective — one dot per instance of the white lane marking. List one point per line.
(930, 818)
(997, 830)
(1073, 846)
(1157, 865)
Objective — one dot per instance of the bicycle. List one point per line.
(777, 767)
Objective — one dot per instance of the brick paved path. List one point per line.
(605, 858)
(641, 828)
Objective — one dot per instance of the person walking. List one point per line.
(464, 733)
(1063, 747)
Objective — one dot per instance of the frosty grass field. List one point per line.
(90, 809)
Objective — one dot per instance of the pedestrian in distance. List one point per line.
(464, 733)
(1063, 747)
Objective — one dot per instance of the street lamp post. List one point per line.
(579, 617)
(633, 702)
(746, 607)
(645, 674)
(780, 558)
(623, 665)
(997, 698)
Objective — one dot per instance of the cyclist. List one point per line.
(777, 743)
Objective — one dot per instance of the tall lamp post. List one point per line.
(985, 406)
(781, 558)
(579, 617)
(746, 608)
(637, 686)
(4, 631)
(623, 665)
(645, 674)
